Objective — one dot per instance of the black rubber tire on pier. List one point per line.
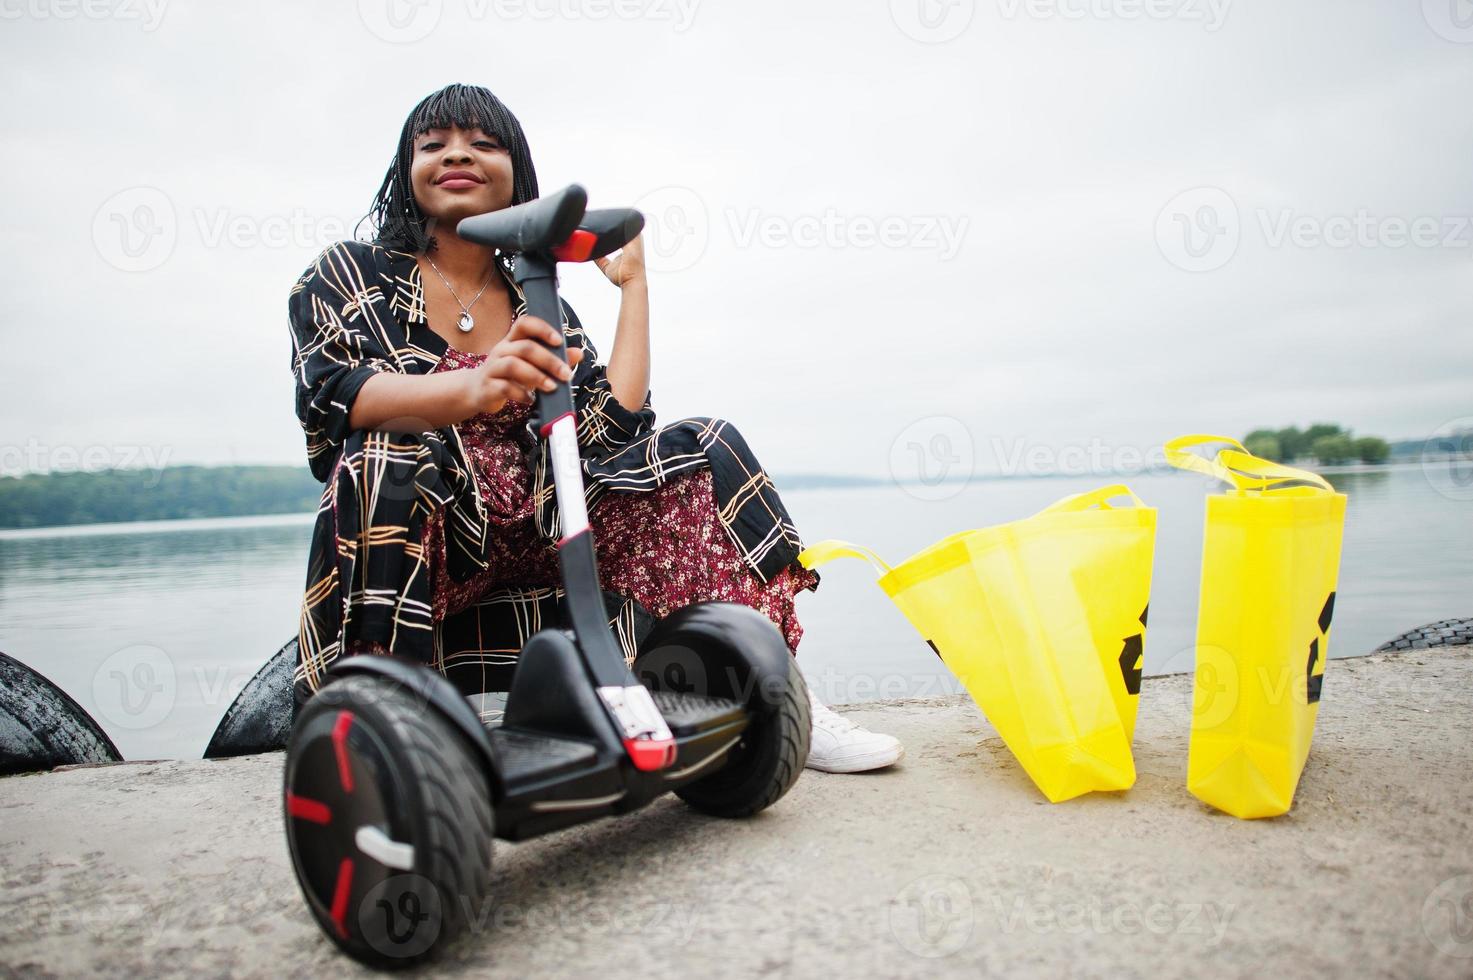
(1443, 633)
(260, 718)
(41, 727)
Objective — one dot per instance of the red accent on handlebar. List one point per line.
(547, 426)
(577, 248)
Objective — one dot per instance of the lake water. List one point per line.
(154, 628)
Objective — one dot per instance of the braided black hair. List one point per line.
(397, 221)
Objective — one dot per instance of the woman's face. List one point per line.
(458, 172)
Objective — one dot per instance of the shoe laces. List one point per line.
(828, 719)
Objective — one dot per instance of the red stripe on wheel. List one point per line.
(310, 810)
(340, 747)
(340, 897)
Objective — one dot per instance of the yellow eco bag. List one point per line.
(1043, 621)
(1270, 561)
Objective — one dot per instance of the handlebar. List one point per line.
(557, 224)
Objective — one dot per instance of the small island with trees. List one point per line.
(1325, 443)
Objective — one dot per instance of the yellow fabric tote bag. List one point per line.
(1270, 561)
(1043, 621)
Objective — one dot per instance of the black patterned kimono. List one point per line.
(359, 309)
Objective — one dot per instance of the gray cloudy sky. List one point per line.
(1010, 225)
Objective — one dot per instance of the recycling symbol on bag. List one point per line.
(1312, 681)
(1132, 657)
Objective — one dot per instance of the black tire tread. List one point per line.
(1443, 633)
(51, 728)
(455, 803)
(260, 717)
(775, 767)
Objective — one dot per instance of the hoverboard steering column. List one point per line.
(553, 229)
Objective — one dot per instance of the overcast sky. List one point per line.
(881, 229)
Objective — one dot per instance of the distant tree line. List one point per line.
(173, 492)
(176, 492)
(1328, 444)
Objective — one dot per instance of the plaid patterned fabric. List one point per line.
(359, 309)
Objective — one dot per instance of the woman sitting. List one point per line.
(416, 368)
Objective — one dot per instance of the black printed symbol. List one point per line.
(1314, 682)
(1132, 657)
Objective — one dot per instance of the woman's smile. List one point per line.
(458, 180)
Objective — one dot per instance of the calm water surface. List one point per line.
(154, 627)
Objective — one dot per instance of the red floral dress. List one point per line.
(665, 548)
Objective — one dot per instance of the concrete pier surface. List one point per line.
(950, 864)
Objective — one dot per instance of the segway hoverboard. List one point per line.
(394, 787)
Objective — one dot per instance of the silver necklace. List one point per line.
(466, 323)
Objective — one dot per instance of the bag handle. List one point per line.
(1237, 466)
(1100, 497)
(831, 548)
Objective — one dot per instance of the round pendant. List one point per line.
(466, 323)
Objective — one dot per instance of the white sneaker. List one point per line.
(839, 745)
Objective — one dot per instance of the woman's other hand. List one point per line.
(626, 267)
(520, 365)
